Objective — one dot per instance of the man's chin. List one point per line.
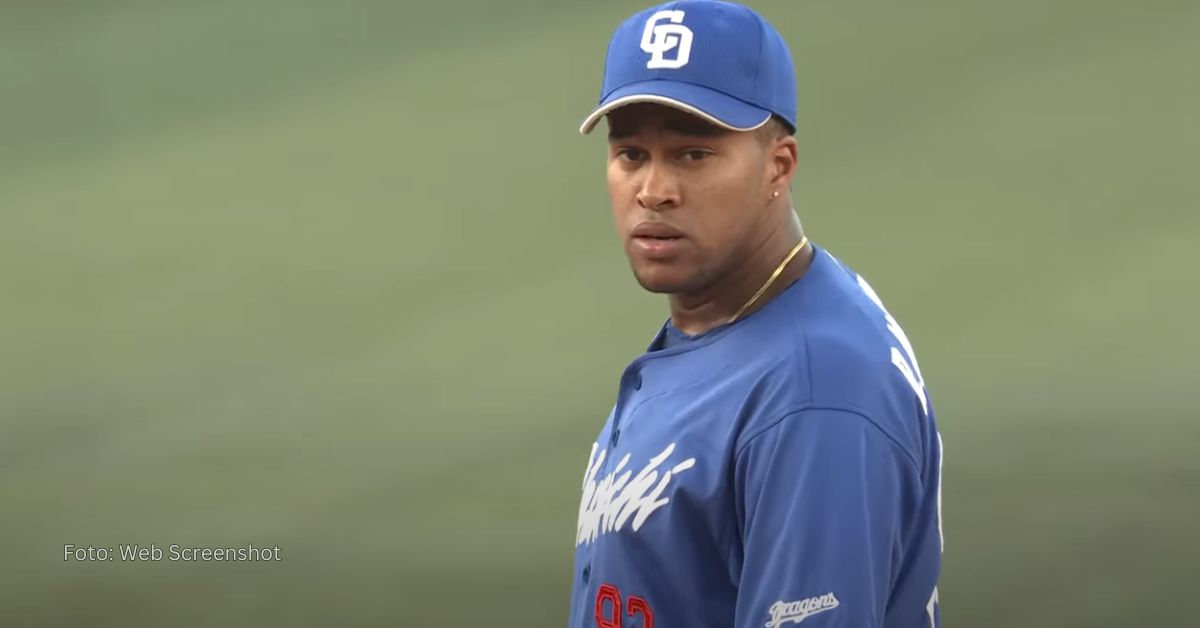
(662, 283)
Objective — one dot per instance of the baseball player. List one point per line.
(772, 459)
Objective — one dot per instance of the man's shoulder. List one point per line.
(839, 336)
(840, 352)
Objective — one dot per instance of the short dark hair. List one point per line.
(773, 129)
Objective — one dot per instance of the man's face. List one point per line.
(688, 198)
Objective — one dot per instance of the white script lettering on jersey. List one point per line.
(796, 612)
(905, 362)
(608, 503)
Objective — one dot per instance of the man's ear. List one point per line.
(784, 159)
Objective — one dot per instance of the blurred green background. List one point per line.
(341, 277)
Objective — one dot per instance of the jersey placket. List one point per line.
(629, 386)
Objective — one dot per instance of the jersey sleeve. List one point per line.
(821, 505)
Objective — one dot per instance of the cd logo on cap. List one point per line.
(659, 39)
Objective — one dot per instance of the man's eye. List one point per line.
(631, 154)
(696, 154)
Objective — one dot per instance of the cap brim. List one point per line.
(715, 107)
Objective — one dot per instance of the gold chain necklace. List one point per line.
(774, 276)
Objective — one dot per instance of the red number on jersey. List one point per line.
(639, 606)
(608, 608)
(611, 618)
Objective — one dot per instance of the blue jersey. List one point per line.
(781, 470)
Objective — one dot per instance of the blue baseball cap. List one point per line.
(720, 61)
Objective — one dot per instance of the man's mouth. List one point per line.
(656, 231)
(655, 247)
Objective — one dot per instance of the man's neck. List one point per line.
(697, 313)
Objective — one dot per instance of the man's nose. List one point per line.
(659, 189)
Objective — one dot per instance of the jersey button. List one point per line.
(587, 573)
